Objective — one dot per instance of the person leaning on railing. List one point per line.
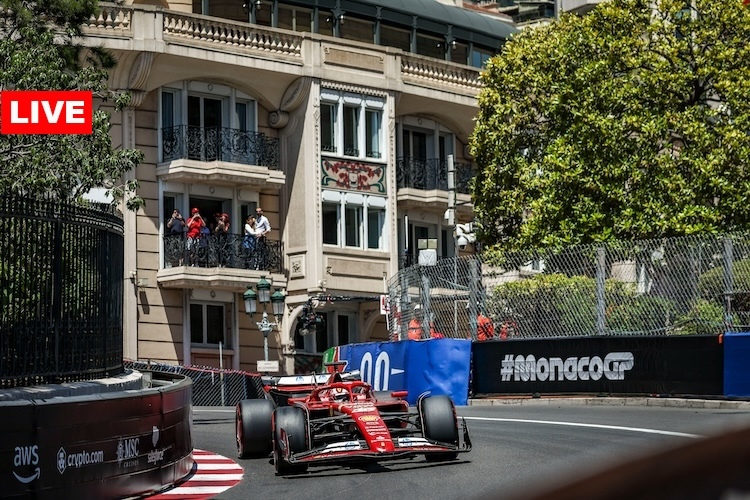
(194, 226)
(263, 227)
(175, 227)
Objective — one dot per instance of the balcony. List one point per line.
(224, 261)
(219, 144)
(219, 155)
(424, 182)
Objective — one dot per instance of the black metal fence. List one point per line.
(219, 144)
(428, 174)
(61, 286)
(222, 250)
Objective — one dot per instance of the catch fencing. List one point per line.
(211, 386)
(671, 286)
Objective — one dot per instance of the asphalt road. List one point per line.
(518, 450)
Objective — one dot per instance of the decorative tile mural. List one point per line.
(353, 176)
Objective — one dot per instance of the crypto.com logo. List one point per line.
(46, 112)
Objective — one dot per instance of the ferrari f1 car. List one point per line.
(328, 418)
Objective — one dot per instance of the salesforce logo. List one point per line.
(519, 368)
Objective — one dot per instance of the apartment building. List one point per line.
(336, 117)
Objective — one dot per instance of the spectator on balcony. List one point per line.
(176, 224)
(222, 239)
(195, 225)
(250, 241)
(174, 246)
(263, 227)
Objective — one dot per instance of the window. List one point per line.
(353, 226)
(372, 133)
(295, 19)
(330, 224)
(208, 122)
(357, 29)
(394, 37)
(351, 131)
(353, 220)
(375, 223)
(351, 124)
(344, 333)
(430, 47)
(480, 57)
(208, 325)
(328, 127)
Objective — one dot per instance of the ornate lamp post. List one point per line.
(264, 296)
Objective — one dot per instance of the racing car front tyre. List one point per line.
(254, 432)
(294, 421)
(439, 424)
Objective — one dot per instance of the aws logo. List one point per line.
(25, 456)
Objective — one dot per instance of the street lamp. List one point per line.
(264, 296)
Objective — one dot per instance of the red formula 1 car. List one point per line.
(338, 418)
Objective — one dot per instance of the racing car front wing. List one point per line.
(354, 450)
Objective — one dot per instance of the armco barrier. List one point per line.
(437, 366)
(616, 365)
(110, 445)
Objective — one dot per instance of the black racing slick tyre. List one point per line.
(254, 427)
(294, 422)
(439, 424)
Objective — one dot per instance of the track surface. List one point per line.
(517, 450)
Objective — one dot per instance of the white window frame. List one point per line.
(368, 204)
(229, 97)
(226, 334)
(362, 104)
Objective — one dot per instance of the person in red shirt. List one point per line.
(414, 331)
(485, 328)
(194, 225)
(434, 333)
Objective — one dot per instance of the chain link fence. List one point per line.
(211, 386)
(671, 286)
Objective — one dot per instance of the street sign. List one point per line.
(385, 307)
(268, 366)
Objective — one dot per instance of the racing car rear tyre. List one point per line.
(439, 424)
(254, 432)
(294, 421)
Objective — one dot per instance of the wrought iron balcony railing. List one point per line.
(222, 250)
(219, 144)
(427, 174)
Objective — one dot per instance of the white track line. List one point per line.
(595, 426)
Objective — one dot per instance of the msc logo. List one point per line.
(25, 456)
(127, 451)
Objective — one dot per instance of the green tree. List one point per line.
(39, 51)
(628, 123)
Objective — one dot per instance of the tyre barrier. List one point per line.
(110, 445)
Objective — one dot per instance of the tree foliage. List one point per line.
(38, 51)
(628, 123)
